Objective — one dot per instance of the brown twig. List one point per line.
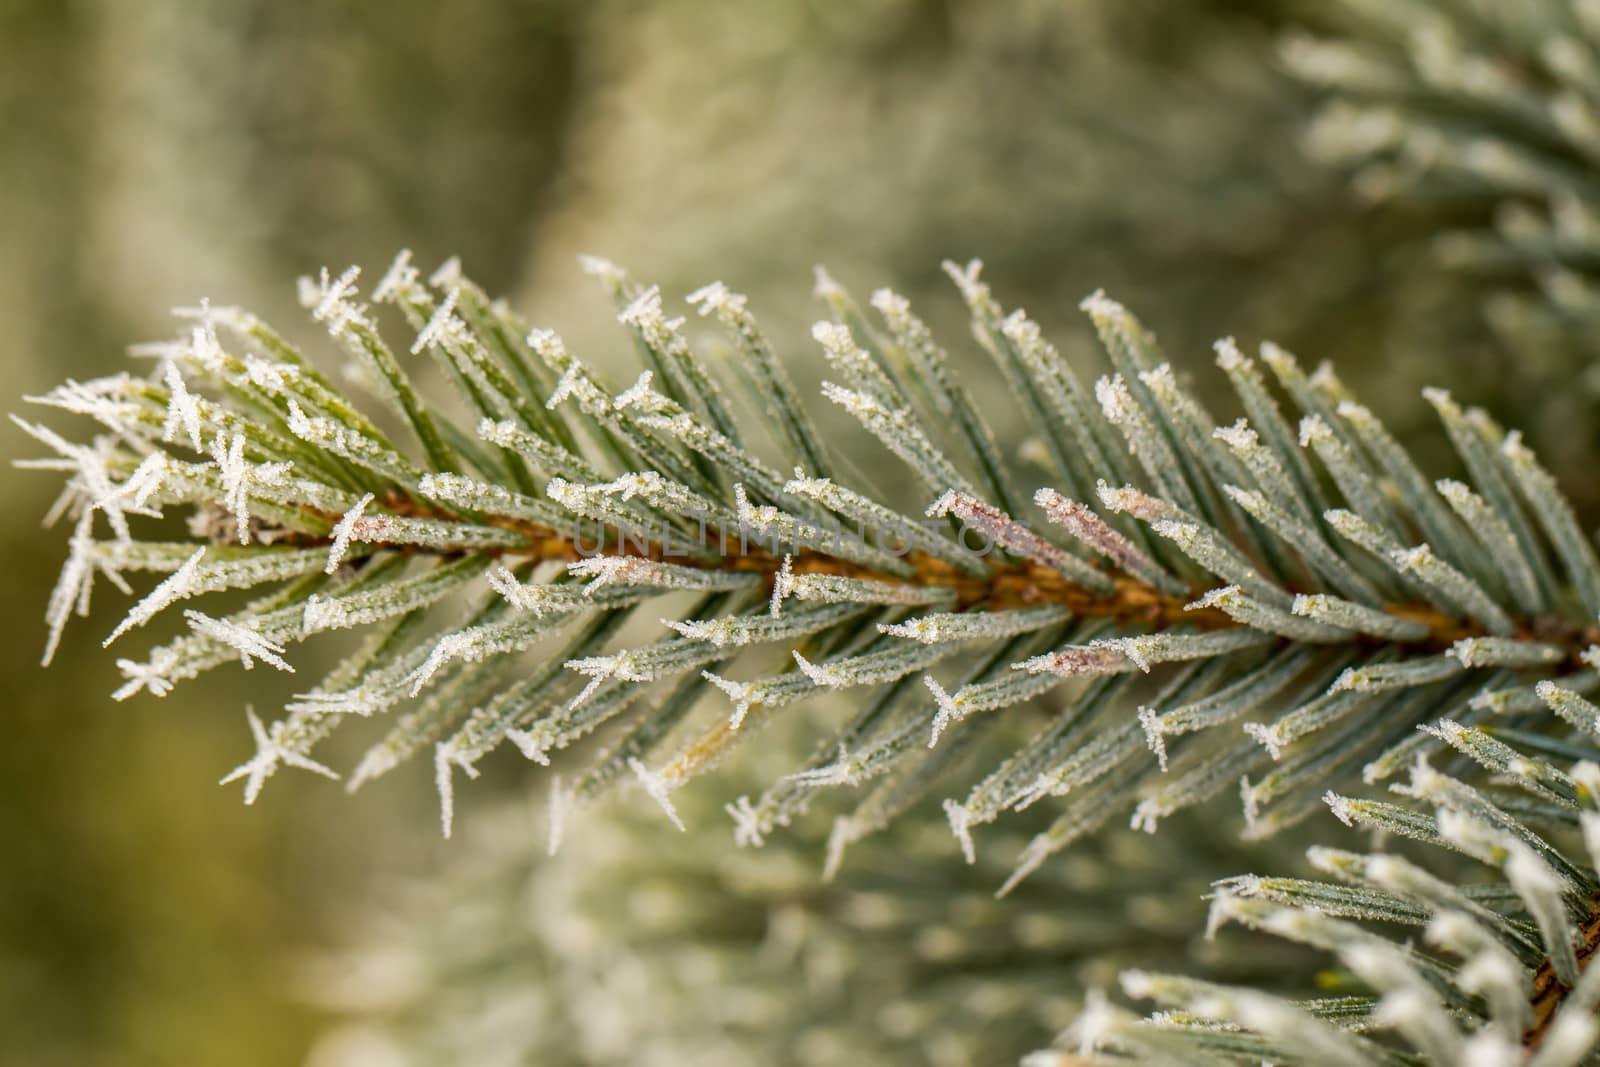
(1548, 992)
(1009, 583)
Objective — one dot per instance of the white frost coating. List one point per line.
(250, 644)
(548, 345)
(240, 476)
(638, 394)
(402, 281)
(1335, 611)
(341, 440)
(73, 586)
(645, 315)
(1426, 565)
(1570, 706)
(151, 476)
(657, 789)
(461, 491)
(782, 586)
(107, 400)
(1096, 1024)
(344, 533)
(1364, 533)
(1239, 437)
(1504, 652)
(183, 408)
(1343, 808)
(531, 747)
(203, 347)
(178, 585)
(939, 627)
(972, 290)
(833, 336)
(950, 710)
(884, 522)
(447, 275)
(444, 763)
(844, 770)
(1117, 403)
(444, 328)
(716, 299)
(271, 377)
(1155, 736)
(92, 479)
(1379, 677)
(745, 695)
(636, 570)
(600, 669)
(841, 834)
(748, 829)
(154, 675)
(535, 597)
(1101, 306)
(820, 675)
(1228, 355)
(838, 589)
(961, 826)
(861, 405)
(576, 383)
(1117, 654)
(1233, 602)
(270, 753)
(332, 302)
(1496, 536)
(446, 650)
(1265, 736)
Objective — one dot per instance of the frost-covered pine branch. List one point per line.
(1273, 603)
(1475, 947)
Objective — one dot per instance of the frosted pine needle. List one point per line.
(179, 584)
(249, 643)
(633, 570)
(344, 533)
(183, 409)
(1001, 530)
(657, 789)
(270, 754)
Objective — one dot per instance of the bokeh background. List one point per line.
(153, 153)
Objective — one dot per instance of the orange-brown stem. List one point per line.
(1548, 992)
(1008, 584)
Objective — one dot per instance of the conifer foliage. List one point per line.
(1293, 572)
(1275, 603)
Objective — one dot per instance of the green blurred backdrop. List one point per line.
(156, 152)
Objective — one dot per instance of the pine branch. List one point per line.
(1252, 604)
(1502, 974)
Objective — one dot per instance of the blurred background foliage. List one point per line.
(157, 152)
